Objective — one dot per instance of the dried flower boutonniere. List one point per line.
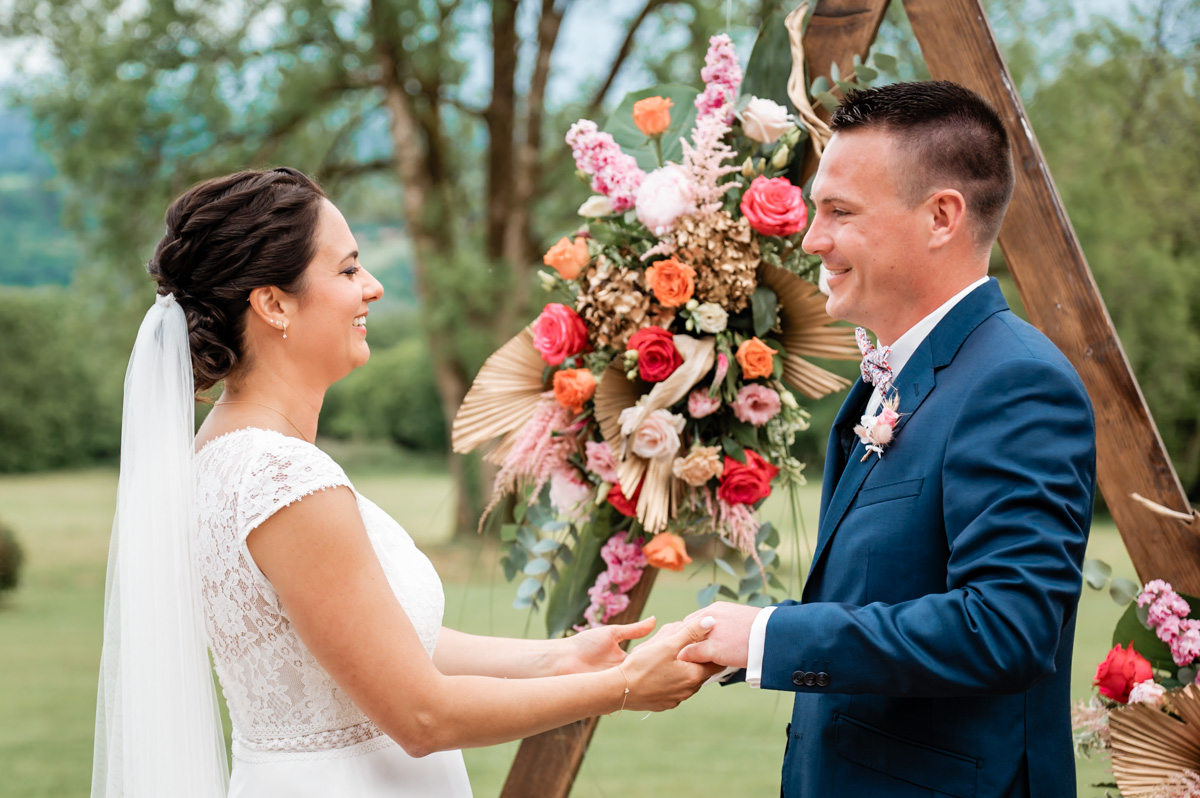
(876, 432)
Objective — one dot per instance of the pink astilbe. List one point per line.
(1089, 719)
(704, 162)
(543, 446)
(722, 76)
(614, 173)
(609, 595)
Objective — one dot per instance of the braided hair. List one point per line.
(226, 237)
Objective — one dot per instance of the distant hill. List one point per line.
(34, 247)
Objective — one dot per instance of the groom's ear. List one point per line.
(947, 215)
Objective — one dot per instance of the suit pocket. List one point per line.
(923, 765)
(890, 492)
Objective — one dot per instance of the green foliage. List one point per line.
(56, 408)
(11, 558)
(1118, 131)
(391, 398)
(634, 142)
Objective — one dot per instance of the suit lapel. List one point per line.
(915, 382)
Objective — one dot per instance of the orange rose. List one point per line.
(755, 359)
(672, 282)
(566, 258)
(667, 550)
(573, 387)
(652, 115)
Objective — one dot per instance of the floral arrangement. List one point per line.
(651, 400)
(1146, 713)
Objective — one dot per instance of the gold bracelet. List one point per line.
(625, 695)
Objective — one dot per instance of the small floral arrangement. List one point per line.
(651, 401)
(1146, 713)
(876, 432)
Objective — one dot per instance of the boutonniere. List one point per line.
(876, 432)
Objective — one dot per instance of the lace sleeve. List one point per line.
(284, 473)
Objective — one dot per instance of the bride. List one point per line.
(322, 617)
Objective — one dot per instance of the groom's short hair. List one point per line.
(953, 137)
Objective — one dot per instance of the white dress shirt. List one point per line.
(902, 350)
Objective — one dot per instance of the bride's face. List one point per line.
(330, 324)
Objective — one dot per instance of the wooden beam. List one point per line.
(837, 31)
(1061, 297)
(547, 763)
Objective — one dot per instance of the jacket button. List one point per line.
(798, 678)
(810, 679)
(822, 679)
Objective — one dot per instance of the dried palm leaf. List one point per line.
(502, 398)
(1151, 747)
(807, 333)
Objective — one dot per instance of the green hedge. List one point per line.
(11, 559)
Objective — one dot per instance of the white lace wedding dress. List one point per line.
(295, 732)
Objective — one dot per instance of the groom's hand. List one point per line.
(728, 643)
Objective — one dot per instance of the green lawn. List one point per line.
(725, 741)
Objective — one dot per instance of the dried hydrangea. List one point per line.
(615, 303)
(724, 254)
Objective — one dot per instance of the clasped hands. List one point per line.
(671, 665)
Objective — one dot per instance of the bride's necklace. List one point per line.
(303, 437)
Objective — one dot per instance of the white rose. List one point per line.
(597, 205)
(710, 318)
(764, 120)
(664, 196)
(659, 435)
(1147, 692)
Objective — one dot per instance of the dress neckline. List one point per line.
(232, 432)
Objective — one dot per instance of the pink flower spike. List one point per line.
(614, 173)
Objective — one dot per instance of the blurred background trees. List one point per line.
(437, 127)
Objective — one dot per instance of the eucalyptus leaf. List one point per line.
(518, 557)
(510, 570)
(821, 84)
(1187, 675)
(508, 532)
(1123, 591)
(1096, 573)
(750, 584)
(759, 600)
(766, 531)
(884, 61)
(707, 595)
(865, 73)
(765, 307)
(537, 566)
(636, 143)
(519, 511)
(727, 593)
(528, 589)
(724, 566)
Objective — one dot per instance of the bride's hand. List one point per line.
(657, 678)
(599, 648)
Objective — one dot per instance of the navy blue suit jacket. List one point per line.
(931, 652)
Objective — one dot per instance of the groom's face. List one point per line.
(867, 235)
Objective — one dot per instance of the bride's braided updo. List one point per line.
(226, 237)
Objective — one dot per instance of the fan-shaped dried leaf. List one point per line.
(503, 396)
(1150, 747)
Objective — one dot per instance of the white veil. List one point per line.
(158, 731)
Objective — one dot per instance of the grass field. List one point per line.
(725, 741)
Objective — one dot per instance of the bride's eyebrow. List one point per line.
(352, 255)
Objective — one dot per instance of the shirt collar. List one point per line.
(906, 344)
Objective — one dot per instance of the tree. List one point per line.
(142, 102)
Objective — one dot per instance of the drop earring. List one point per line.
(277, 323)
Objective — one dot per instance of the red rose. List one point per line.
(1120, 671)
(657, 356)
(559, 333)
(774, 207)
(625, 506)
(748, 482)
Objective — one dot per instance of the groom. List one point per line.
(930, 654)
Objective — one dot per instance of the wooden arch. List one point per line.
(1059, 294)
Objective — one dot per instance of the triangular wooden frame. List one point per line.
(1060, 296)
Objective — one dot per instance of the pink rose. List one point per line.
(600, 461)
(756, 404)
(658, 435)
(888, 416)
(700, 404)
(559, 333)
(774, 207)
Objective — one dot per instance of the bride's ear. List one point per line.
(271, 305)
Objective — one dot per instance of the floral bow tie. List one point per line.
(875, 367)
